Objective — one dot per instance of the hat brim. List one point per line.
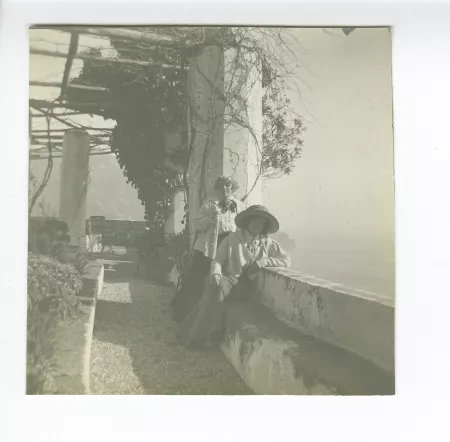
(273, 225)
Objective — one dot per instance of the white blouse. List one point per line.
(239, 249)
(204, 221)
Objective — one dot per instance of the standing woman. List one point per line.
(214, 222)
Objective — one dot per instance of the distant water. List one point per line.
(353, 269)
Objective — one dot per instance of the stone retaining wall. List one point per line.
(74, 337)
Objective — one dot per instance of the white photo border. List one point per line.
(421, 81)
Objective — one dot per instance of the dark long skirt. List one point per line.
(205, 324)
(191, 288)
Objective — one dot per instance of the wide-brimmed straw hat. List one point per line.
(272, 226)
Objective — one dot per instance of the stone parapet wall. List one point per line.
(273, 358)
(117, 225)
(357, 321)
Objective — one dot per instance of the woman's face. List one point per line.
(225, 190)
(257, 225)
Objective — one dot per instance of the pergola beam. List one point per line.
(65, 114)
(69, 86)
(87, 108)
(60, 137)
(84, 57)
(43, 146)
(127, 35)
(59, 105)
(73, 48)
(35, 131)
(39, 157)
(67, 123)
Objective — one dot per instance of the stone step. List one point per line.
(273, 358)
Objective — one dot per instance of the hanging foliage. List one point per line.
(148, 102)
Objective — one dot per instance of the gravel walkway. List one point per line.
(135, 350)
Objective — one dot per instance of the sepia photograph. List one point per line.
(210, 211)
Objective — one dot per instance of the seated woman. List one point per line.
(213, 224)
(239, 258)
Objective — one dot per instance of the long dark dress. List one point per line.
(206, 321)
(191, 290)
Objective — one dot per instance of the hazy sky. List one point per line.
(341, 211)
(338, 204)
(344, 181)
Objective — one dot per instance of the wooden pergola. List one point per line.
(45, 143)
(204, 134)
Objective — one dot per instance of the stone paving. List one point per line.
(135, 350)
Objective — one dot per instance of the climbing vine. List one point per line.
(147, 102)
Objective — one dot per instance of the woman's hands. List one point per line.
(252, 269)
(215, 279)
(215, 214)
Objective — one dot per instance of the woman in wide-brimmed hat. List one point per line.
(214, 222)
(239, 258)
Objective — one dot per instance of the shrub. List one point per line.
(73, 256)
(52, 290)
(46, 235)
(159, 254)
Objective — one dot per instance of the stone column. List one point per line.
(226, 115)
(74, 182)
(173, 223)
(243, 125)
(206, 117)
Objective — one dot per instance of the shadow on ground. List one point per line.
(119, 265)
(135, 349)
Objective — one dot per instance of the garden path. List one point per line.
(135, 349)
